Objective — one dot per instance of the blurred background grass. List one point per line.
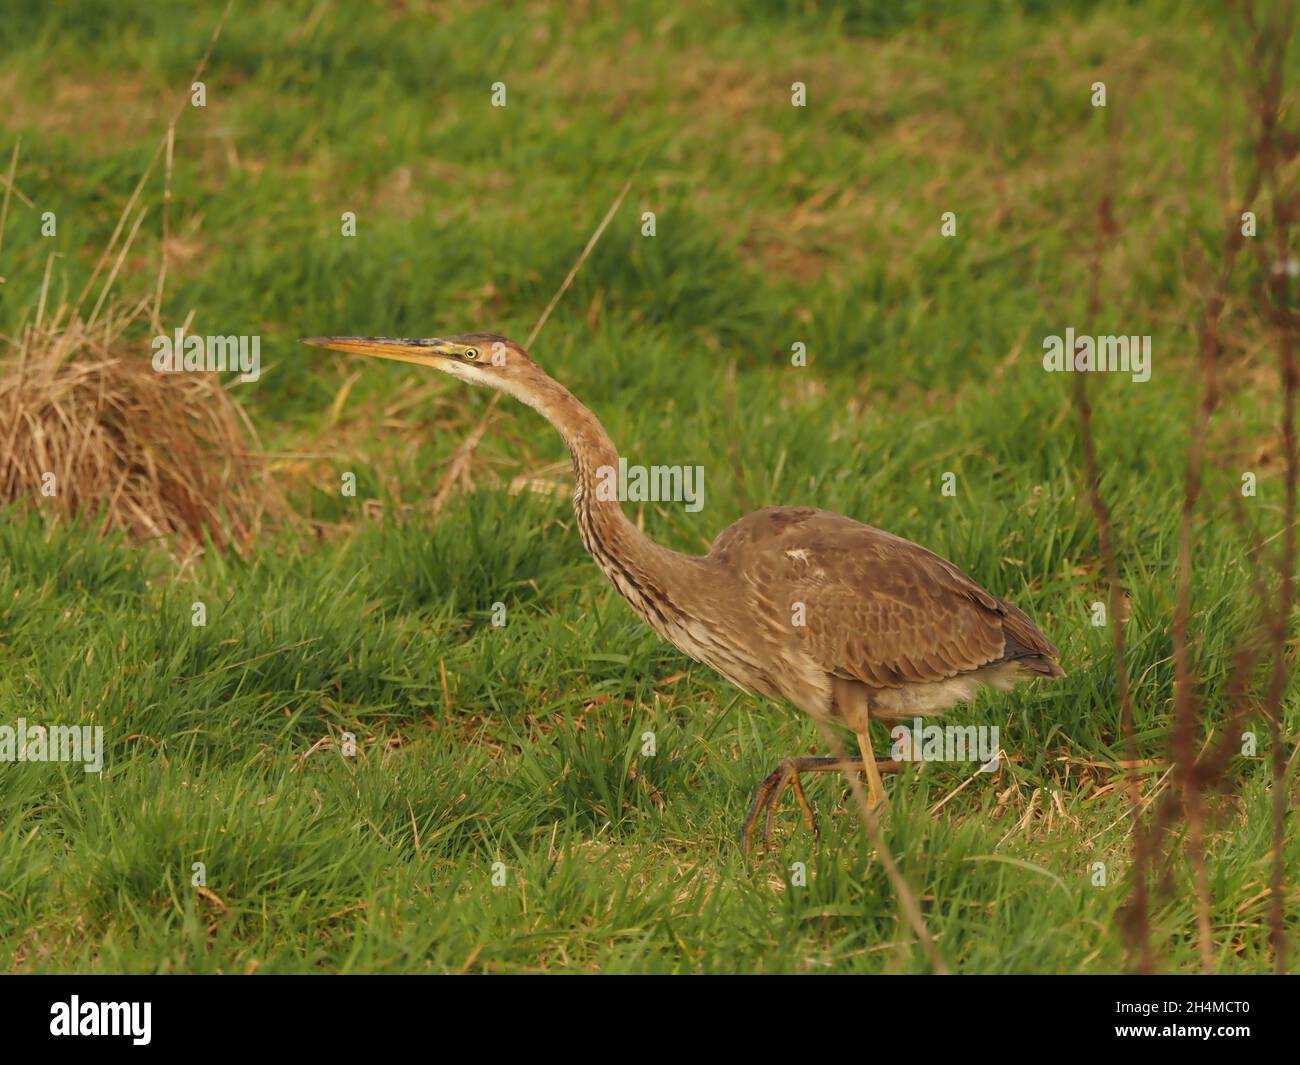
(775, 225)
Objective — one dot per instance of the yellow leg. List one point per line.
(875, 787)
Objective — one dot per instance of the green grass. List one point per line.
(521, 744)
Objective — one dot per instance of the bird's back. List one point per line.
(870, 607)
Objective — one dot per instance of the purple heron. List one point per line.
(889, 630)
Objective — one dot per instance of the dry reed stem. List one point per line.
(1136, 916)
(458, 467)
(906, 897)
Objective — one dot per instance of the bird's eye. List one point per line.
(471, 354)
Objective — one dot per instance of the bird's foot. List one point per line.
(786, 775)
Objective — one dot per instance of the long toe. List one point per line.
(762, 797)
(783, 777)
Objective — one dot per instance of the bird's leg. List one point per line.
(786, 775)
(875, 786)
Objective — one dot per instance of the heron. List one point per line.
(849, 623)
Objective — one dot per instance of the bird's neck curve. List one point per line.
(607, 534)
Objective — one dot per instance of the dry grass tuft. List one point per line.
(161, 456)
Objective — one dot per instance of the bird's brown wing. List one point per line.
(875, 607)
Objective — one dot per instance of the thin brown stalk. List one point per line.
(1194, 773)
(183, 103)
(9, 185)
(906, 897)
(156, 317)
(117, 265)
(1186, 703)
(1284, 207)
(1136, 913)
(458, 467)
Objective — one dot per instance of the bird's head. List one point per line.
(491, 361)
(479, 358)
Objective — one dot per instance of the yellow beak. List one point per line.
(420, 352)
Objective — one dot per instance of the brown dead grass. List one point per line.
(87, 430)
(92, 432)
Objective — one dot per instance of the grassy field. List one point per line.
(521, 744)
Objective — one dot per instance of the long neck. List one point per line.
(646, 573)
(687, 599)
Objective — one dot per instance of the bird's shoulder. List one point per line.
(795, 539)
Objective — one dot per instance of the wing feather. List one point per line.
(876, 608)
